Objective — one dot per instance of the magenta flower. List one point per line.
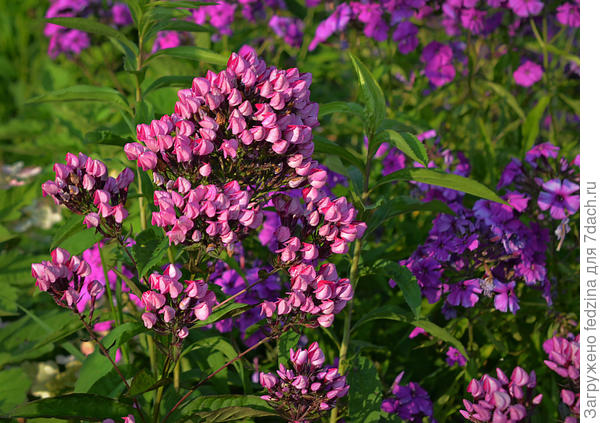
(406, 37)
(528, 74)
(568, 14)
(337, 22)
(525, 8)
(505, 298)
(557, 196)
(454, 356)
(438, 63)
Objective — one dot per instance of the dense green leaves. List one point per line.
(150, 249)
(365, 396)
(81, 406)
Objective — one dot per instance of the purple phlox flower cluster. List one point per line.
(410, 402)
(454, 356)
(568, 14)
(84, 187)
(501, 400)
(304, 392)
(73, 41)
(563, 358)
(231, 283)
(92, 257)
(290, 29)
(315, 297)
(172, 307)
(528, 74)
(558, 196)
(63, 278)
(437, 58)
(526, 8)
(336, 22)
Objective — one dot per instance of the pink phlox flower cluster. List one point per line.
(304, 392)
(320, 294)
(172, 307)
(563, 356)
(63, 277)
(568, 14)
(84, 187)
(501, 400)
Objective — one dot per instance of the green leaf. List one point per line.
(66, 230)
(403, 141)
(217, 343)
(81, 240)
(531, 127)
(375, 108)
(287, 340)
(95, 27)
(387, 312)
(96, 365)
(228, 311)
(84, 93)
(442, 179)
(178, 25)
(297, 9)
(144, 382)
(326, 147)
(14, 385)
(106, 136)
(169, 81)
(189, 4)
(401, 205)
(191, 53)
(572, 103)
(229, 414)
(149, 250)
(510, 99)
(81, 406)
(205, 406)
(408, 284)
(441, 333)
(365, 396)
(340, 107)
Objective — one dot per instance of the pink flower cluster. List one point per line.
(171, 307)
(563, 358)
(301, 394)
(64, 278)
(501, 400)
(206, 212)
(84, 187)
(249, 123)
(320, 294)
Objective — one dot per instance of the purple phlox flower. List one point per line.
(505, 298)
(557, 196)
(337, 22)
(405, 35)
(313, 3)
(166, 39)
(473, 20)
(454, 356)
(290, 29)
(518, 200)
(121, 15)
(545, 150)
(438, 63)
(416, 332)
(528, 74)
(511, 172)
(411, 402)
(525, 8)
(568, 14)
(220, 16)
(465, 293)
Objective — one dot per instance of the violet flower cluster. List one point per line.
(303, 393)
(502, 400)
(410, 402)
(563, 359)
(84, 187)
(172, 307)
(64, 277)
(73, 41)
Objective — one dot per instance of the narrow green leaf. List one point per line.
(150, 249)
(144, 382)
(375, 106)
(442, 179)
(81, 406)
(510, 99)
(14, 385)
(340, 107)
(180, 26)
(189, 4)
(572, 103)
(441, 333)
(229, 414)
(65, 230)
(531, 127)
(191, 53)
(169, 81)
(387, 312)
(288, 340)
(84, 93)
(405, 142)
(216, 402)
(408, 284)
(365, 396)
(228, 311)
(326, 147)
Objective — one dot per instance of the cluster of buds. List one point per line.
(563, 358)
(249, 122)
(410, 402)
(64, 278)
(84, 187)
(501, 400)
(171, 307)
(329, 223)
(205, 213)
(314, 299)
(303, 393)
